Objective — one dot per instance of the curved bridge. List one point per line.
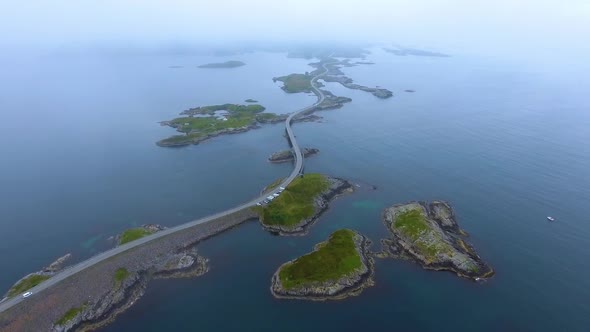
(120, 249)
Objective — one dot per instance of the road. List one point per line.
(7, 304)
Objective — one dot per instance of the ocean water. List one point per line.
(505, 143)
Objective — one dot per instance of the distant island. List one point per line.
(251, 100)
(429, 235)
(227, 64)
(415, 52)
(202, 123)
(337, 268)
(296, 83)
(302, 202)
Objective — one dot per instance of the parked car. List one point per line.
(27, 294)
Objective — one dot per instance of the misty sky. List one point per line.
(446, 25)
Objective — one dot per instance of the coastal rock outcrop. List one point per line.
(337, 268)
(287, 155)
(129, 287)
(429, 235)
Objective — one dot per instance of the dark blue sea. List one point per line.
(505, 142)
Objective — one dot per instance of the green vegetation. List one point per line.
(133, 234)
(26, 284)
(296, 82)
(333, 259)
(198, 127)
(251, 101)
(120, 275)
(232, 109)
(70, 314)
(227, 64)
(296, 202)
(413, 224)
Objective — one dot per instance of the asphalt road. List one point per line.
(69, 271)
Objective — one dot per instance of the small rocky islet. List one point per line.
(337, 268)
(287, 155)
(429, 235)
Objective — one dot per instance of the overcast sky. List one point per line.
(446, 25)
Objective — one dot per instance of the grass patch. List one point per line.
(296, 83)
(413, 224)
(334, 259)
(26, 284)
(296, 202)
(133, 234)
(69, 315)
(120, 275)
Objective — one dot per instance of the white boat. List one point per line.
(550, 218)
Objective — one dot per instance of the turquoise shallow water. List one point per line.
(505, 144)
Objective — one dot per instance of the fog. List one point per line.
(502, 27)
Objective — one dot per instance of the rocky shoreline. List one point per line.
(96, 314)
(335, 188)
(117, 283)
(429, 235)
(348, 285)
(287, 155)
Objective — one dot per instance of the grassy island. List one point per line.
(203, 122)
(133, 234)
(296, 202)
(27, 283)
(429, 234)
(296, 82)
(227, 64)
(333, 259)
(251, 100)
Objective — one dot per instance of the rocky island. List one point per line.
(429, 235)
(287, 155)
(202, 123)
(337, 268)
(295, 83)
(301, 203)
(227, 64)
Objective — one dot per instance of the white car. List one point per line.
(258, 204)
(27, 294)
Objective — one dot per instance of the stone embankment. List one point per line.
(96, 295)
